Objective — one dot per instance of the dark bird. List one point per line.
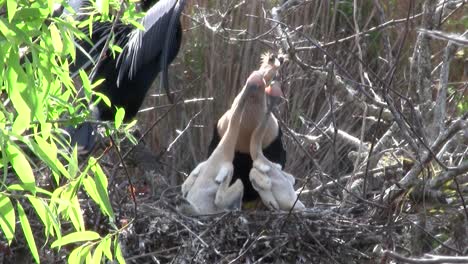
(128, 77)
(272, 143)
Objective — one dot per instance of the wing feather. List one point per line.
(144, 46)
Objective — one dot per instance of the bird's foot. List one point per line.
(261, 166)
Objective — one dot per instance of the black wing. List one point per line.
(158, 37)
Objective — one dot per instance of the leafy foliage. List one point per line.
(39, 97)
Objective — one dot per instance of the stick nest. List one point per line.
(318, 235)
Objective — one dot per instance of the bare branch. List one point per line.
(451, 37)
(427, 259)
(409, 179)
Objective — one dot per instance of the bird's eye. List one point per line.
(281, 60)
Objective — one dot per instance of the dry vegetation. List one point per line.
(375, 128)
(374, 124)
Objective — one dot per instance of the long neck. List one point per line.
(255, 106)
(228, 142)
(256, 149)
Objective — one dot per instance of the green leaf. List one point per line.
(48, 153)
(28, 232)
(74, 257)
(50, 4)
(116, 48)
(73, 166)
(131, 124)
(79, 254)
(97, 255)
(2, 115)
(54, 218)
(20, 187)
(68, 44)
(106, 247)
(76, 237)
(7, 218)
(90, 188)
(119, 117)
(11, 8)
(7, 30)
(75, 214)
(97, 83)
(56, 38)
(41, 211)
(21, 166)
(59, 199)
(137, 24)
(118, 252)
(16, 86)
(104, 98)
(103, 7)
(101, 186)
(86, 84)
(32, 15)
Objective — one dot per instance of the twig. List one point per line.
(390, 23)
(450, 37)
(158, 252)
(108, 39)
(293, 56)
(427, 259)
(193, 233)
(132, 188)
(436, 182)
(318, 167)
(386, 169)
(320, 244)
(242, 253)
(370, 151)
(183, 131)
(460, 194)
(440, 105)
(409, 179)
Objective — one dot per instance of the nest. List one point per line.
(318, 235)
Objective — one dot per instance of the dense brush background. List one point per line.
(399, 202)
(326, 121)
(215, 64)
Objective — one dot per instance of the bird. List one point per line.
(272, 141)
(145, 53)
(207, 189)
(275, 186)
(128, 76)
